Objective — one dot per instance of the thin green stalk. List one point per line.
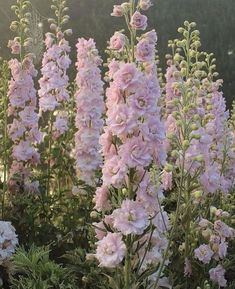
(49, 154)
(127, 268)
(5, 141)
(174, 225)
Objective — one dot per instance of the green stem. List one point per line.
(127, 267)
(49, 154)
(5, 141)
(174, 225)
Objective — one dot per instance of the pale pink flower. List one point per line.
(60, 125)
(117, 11)
(223, 229)
(121, 120)
(210, 179)
(217, 275)
(127, 77)
(114, 171)
(223, 248)
(29, 117)
(118, 41)
(16, 130)
(15, 46)
(135, 152)
(145, 4)
(138, 21)
(204, 253)
(131, 218)
(145, 51)
(110, 250)
(102, 202)
(23, 151)
(166, 179)
(113, 67)
(151, 37)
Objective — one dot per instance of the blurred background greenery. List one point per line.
(91, 18)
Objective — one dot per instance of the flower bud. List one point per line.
(185, 144)
(94, 214)
(198, 194)
(168, 168)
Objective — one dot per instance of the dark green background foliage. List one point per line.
(91, 18)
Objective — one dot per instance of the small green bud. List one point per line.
(125, 6)
(213, 210)
(198, 194)
(85, 279)
(181, 30)
(94, 214)
(185, 144)
(199, 158)
(196, 136)
(168, 168)
(194, 126)
(124, 191)
(175, 154)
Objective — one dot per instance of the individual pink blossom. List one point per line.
(223, 229)
(60, 125)
(210, 180)
(166, 179)
(16, 130)
(145, 51)
(117, 11)
(138, 21)
(113, 68)
(131, 218)
(127, 77)
(222, 250)
(110, 250)
(151, 37)
(145, 4)
(118, 41)
(101, 227)
(217, 276)
(121, 120)
(15, 46)
(147, 194)
(101, 199)
(28, 116)
(204, 253)
(135, 152)
(114, 171)
(25, 152)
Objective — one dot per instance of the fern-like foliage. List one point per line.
(33, 269)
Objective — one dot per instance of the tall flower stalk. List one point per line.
(23, 130)
(90, 107)
(53, 93)
(199, 149)
(132, 233)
